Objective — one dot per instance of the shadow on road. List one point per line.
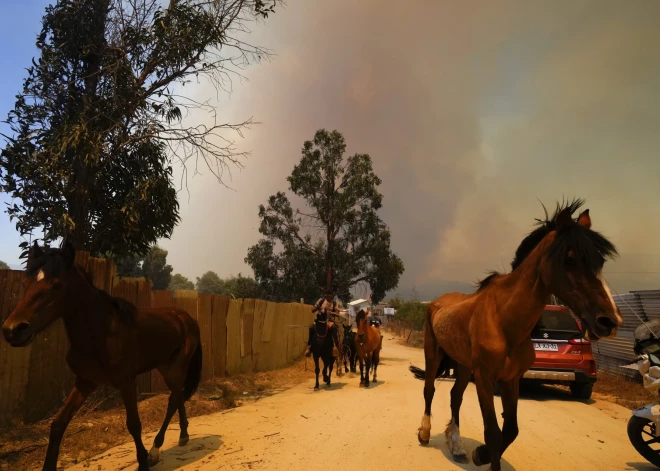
(324, 387)
(439, 442)
(540, 392)
(641, 466)
(386, 359)
(198, 450)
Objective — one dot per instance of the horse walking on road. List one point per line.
(111, 343)
(322, 348)
(488, 332)
(369, 342)
(349, 349)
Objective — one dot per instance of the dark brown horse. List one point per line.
(349, 349)
(488, 332)
(368, 345)
(111, 343)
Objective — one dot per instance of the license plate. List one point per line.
(546, 347)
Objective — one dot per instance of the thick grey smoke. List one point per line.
(471, 112)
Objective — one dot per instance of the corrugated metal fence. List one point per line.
(238, 336)
(612, 353)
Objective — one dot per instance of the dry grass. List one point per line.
(101, 424)
(621, 390)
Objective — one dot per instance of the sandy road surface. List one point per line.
(348, 428)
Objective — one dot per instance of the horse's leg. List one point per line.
(509, 393)
(77, 396)
(368, 367)
(361, 370)
(453, 432)
(174, 381)
(492, 450)
(326, 366)
(376, 361)
(331, 364)
(317, 370)
(183, 424)
(129, 395)
(433, 356)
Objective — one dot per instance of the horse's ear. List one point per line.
(564, 220)
(69, 254)
(585, 220)
(35, 250)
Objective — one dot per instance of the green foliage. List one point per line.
(395, 302)
(155, 268)
(4, 266)
(235, 286)
(209, 282)
(129, 266)
(178, 281)
(242, 287)
(97, 127)
(412, 315)
(343, 199)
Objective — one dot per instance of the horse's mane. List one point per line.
(360, 315)
(590, 247)
(125, 310)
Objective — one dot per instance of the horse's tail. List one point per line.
(194, 374)
(446, 364)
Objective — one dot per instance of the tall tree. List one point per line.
(99, 122)
(156, 268)
(340, 231)
(210, 282)
(3, 266)
(129, 266)
(178, 281)
(242, 287)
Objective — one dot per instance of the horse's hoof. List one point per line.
(366, 385)
(461, 458)
(153, 457)
(422, 441)
(475, 457)
(374, 381)
(183, 441)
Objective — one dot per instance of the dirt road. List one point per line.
(348, 428)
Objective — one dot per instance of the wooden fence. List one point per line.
(238, 336)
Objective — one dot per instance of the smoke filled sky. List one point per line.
(471, 111)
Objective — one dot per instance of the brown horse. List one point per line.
(368, 345)
(111, 343)
(488, 332)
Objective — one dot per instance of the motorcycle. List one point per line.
(644, 425)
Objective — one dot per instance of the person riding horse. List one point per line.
(375, 320)
(323, 308)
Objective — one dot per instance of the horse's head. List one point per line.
(362, 325)
(347, 329)
(46, 279)
(571, 265)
